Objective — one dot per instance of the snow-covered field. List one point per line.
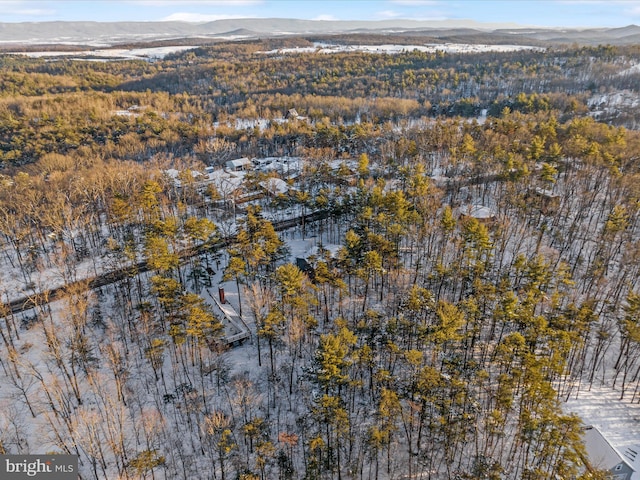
(112, 53)
(161, 52)
(395, 49)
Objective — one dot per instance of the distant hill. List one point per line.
(240, 32)
(118, 33)
(624, 31)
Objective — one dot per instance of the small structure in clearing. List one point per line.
(480, 212)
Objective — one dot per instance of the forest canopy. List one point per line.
(474, 221)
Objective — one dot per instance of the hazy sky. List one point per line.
(571, 13)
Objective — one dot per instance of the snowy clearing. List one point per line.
(112, 53)
(395, 49)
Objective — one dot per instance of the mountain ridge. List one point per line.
(115, 33)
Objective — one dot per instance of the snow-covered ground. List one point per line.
(624, 98)
(112, 53)
(616, 104)
(394, 49)
(618, 420)
(630, 71)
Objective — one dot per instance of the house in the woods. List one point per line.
(275, 186)
(481, 213)
(288, 167)
(549, 202)
(307, 261)
(292, 114)
(304, 265)
(602, 456)
(262, 163)
(134, 111)
(236, 331)
(239, 165)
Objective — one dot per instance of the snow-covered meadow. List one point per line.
(395, 49)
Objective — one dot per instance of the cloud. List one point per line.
(635, 11)
(586, 2)
(621, 7)
(34, 12)
(24, 8)
(424, 15)
(388, 14)
(198, 3)
(433, 18)
(197, 17)
(608, 3)
(325, 18)
(415, 3)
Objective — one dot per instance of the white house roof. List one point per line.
(275, 186)
(239, 162)
(478, 211)
(225, 182)
(601, 452)
(174, 174)
(279, 164)
(632, 457)
(546, 192)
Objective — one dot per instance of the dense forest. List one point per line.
(476, 218)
